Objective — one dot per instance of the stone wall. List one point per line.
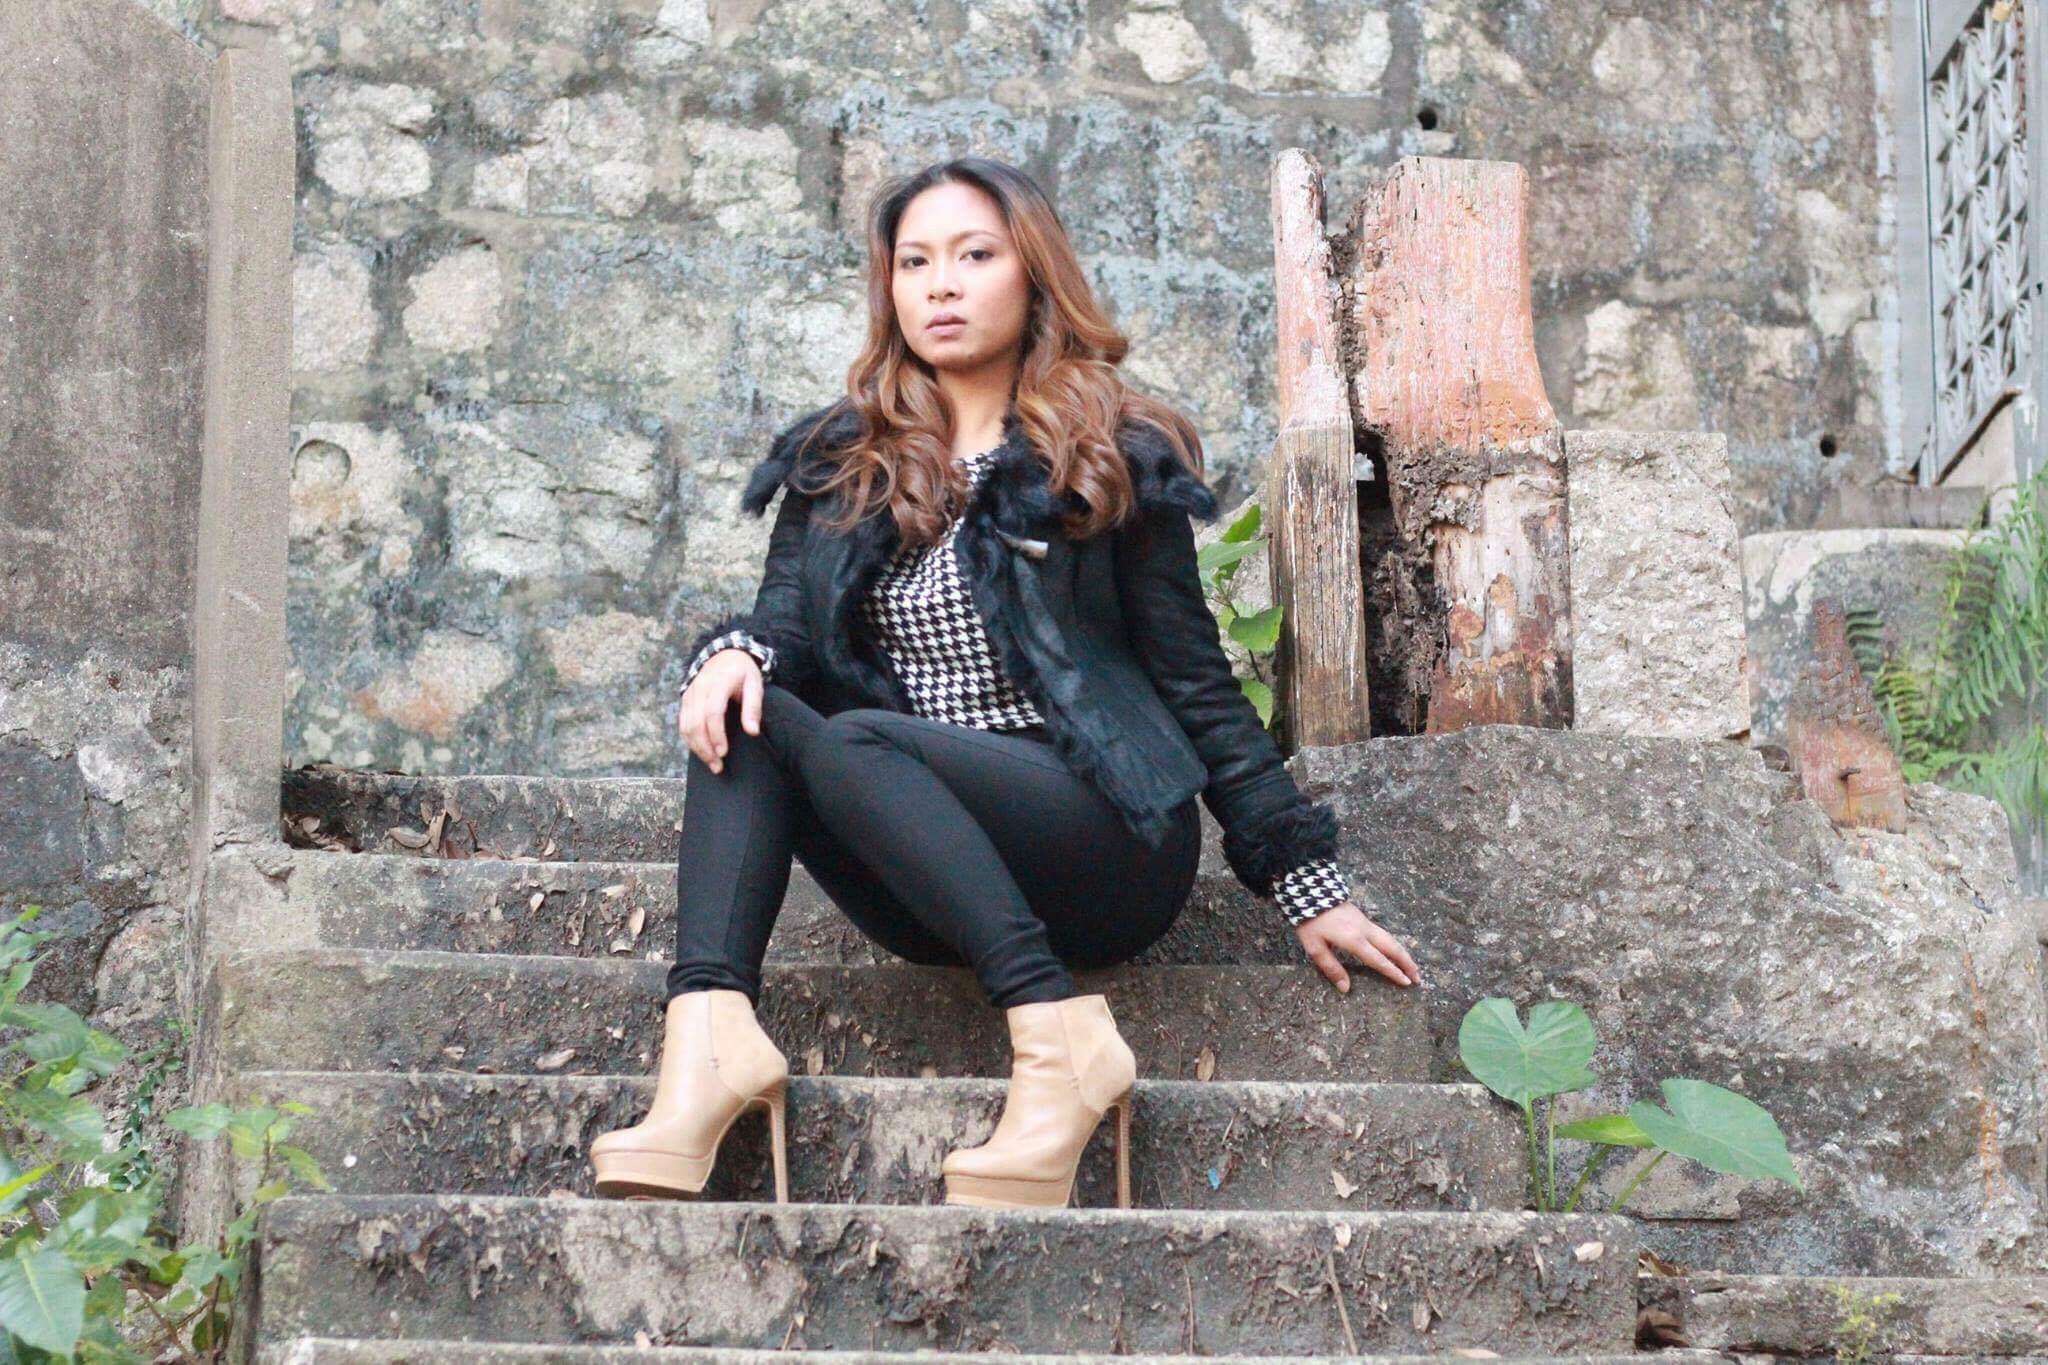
(102, 420)
(561, 267)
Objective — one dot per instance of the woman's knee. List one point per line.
(859, 725)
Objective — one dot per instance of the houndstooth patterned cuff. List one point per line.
(1306, 891)
(732, 639)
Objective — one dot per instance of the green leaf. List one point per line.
(1261, 697)
(1718, 1128)
(42, 1299)
(1613, 1130)
(1549, 1057)
(1258, 632)
(72, 1121)
(20, 1185)
(1218, 553)
(1247, 524)
(303, 1166)
(249, 1129)
(202, 1121)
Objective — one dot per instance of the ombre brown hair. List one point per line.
(1069, 398)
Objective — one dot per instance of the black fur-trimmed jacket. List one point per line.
(1110, 637)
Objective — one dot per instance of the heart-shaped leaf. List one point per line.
(1549, 1057)
(1718, 1128)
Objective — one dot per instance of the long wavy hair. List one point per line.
(1069, 397)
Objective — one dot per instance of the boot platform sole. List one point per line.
(649, 1173)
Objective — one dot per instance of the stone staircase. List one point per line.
(463, 1027)
(462, 978)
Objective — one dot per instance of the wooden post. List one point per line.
(1476, 600)
(1312, 495)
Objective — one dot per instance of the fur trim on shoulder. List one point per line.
(835, 424)
(1159, 476)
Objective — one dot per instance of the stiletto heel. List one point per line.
(776, 1139)
(1070, 1067)
(716, 1064)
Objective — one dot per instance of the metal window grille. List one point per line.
(1968, 251)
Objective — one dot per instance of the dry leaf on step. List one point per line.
(1345, 1188)
(1205, 1064)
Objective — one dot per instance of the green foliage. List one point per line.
(1862, 1318)
(85, 1271)
(1257, 633)
(1553, 1055)
(1968, 707)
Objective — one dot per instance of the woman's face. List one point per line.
(954, 259)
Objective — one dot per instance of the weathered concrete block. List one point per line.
(1877, 992)
(1897, 573)
(1065, 1280)
(1332, 1145)
(619, 819)
(363, 1351)
(1657, 631)
(627, 909)
(468, 1012)
(1802, 1315)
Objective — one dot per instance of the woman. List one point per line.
(980, 694)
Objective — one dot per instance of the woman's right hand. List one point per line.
(701, 718)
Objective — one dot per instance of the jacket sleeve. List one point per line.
(1269, 827)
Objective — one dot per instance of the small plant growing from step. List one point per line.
(1862, 1317)
(86, 1272)
(1257, 633)
(1552, 1056)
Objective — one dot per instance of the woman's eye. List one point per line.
(981, 251)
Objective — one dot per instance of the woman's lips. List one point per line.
(946, 329)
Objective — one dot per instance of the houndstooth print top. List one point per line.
(923, 616)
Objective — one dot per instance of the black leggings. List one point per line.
(945, 844)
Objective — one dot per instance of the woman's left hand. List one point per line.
(1345, 927)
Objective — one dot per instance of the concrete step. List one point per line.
(572, 819)
(869, 1140)
(610, 909)
(350, 1009)
(356, 1351)
(1802, 1314)
(880, 1277)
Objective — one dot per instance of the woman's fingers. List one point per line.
(714, 723)
(1362, 939)
(1326, 962)
(751, 688)
(1395, 949)
(1372, 957)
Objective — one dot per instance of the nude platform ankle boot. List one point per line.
(1069, 1067)
(716, 1064)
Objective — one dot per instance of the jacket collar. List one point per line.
(1014, 495)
